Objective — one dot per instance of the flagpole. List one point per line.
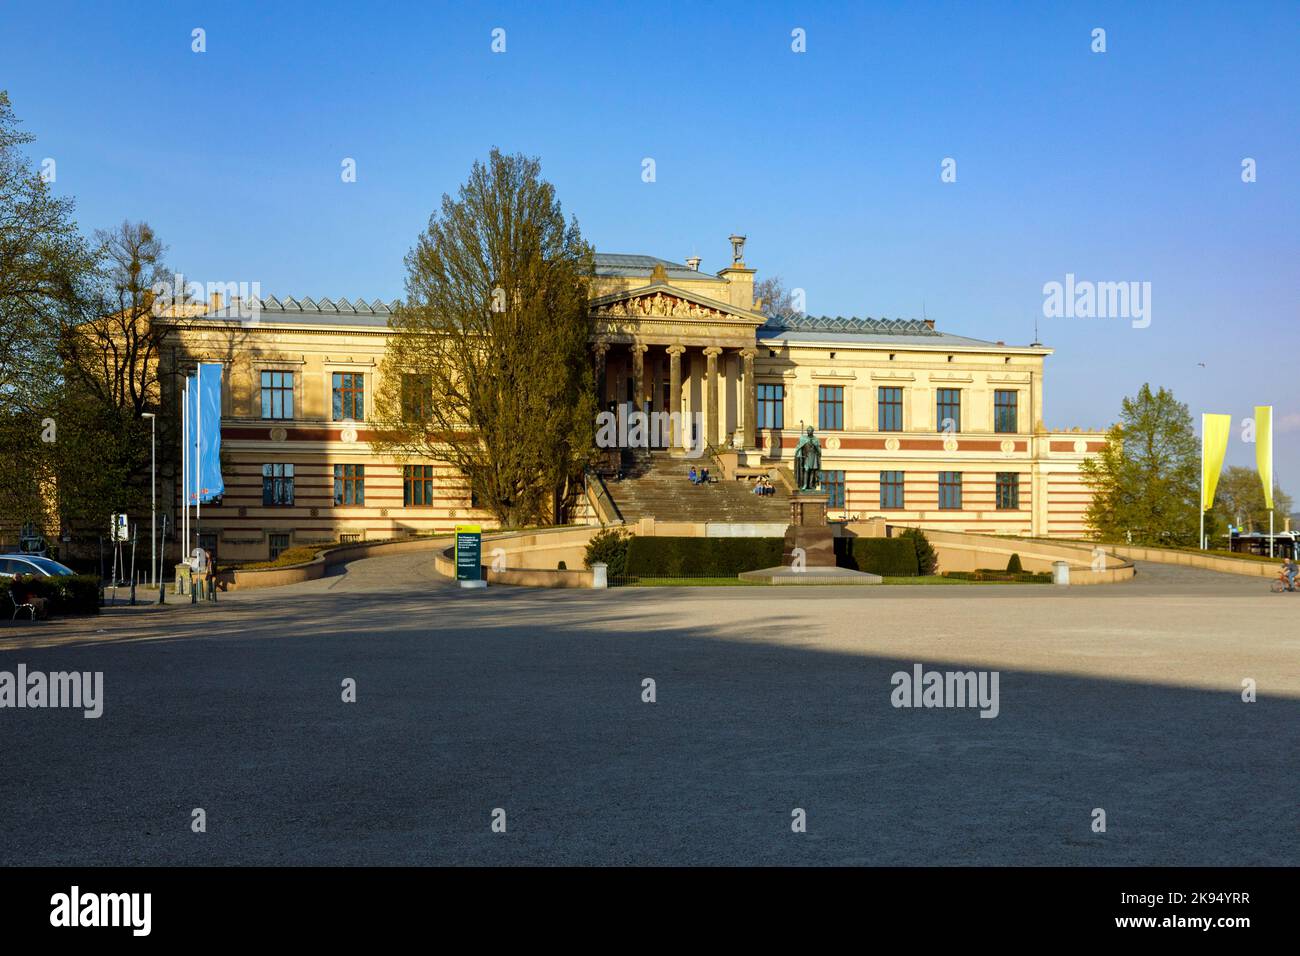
(1271, 489)
(185, 470)
(198, 452)
(1200, 501)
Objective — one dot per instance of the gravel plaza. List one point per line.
(1126, 698)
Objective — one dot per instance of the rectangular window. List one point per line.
(830, 408)
(277, 485)
(349, 484)
(948, 409)
(277, 394)
(279, 542)
(891, 490)
(771, 406)
(1008, 491)
(1004, 410)
(833, 485)
(950, 490)
(349, 396)
(891, 409)
(417, 393)
(417, 486)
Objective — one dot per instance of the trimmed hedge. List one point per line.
(992, 574)
(701, 557)
(66, 593)
(888, 557)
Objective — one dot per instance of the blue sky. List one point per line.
(1115, 166)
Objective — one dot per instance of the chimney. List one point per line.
(214, 302)
(693, 263)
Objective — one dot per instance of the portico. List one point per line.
(662, 348)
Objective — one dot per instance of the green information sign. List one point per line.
(469, 552)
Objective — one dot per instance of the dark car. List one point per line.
(11, 564)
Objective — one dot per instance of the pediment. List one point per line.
(666, 301)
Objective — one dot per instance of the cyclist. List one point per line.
(1290, 568)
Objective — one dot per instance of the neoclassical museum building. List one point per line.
(915, 423)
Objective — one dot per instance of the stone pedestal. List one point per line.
(808, 541)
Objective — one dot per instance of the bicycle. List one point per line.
(1281, 584)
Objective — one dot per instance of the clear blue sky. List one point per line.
(1118, 166)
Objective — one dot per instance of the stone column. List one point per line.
(675, 394)
(751, 399)
(600, 348)
(711, 395)
(638, 377)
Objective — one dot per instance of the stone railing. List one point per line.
(964, 551)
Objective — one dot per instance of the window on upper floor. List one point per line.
(349, 396)
(830, 408)
(948, 409)
(417, 396)
(771, 406)
(1005, 410)
(891, 409)
(277, 394)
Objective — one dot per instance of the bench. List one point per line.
(28, 606)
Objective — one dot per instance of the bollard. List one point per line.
(1061, 573)
(600, 575)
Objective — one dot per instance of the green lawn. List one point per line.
(739, 582)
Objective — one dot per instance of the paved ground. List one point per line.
(1125, 698)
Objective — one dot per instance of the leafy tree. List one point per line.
(1239, 500)
(44, 267)
(488, 368)
(1146, 480)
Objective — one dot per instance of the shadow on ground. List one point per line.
(530, 703)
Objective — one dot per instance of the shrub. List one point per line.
(1013, 566)
(609, 545)
(701, 557)
(562, 566)
(888, 557)
(66, 593)
(300, 554)
(927, 559)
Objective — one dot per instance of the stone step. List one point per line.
(657, 487)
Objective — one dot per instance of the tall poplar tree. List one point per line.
(488, 369)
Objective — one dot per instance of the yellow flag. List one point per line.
(1264, 450)
(1214, 445)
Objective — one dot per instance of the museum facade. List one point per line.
(915, 423)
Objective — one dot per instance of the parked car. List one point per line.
(11, 564)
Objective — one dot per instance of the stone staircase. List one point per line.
(655, 486)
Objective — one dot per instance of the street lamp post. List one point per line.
(153, 497)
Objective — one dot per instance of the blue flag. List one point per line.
(203, 444)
